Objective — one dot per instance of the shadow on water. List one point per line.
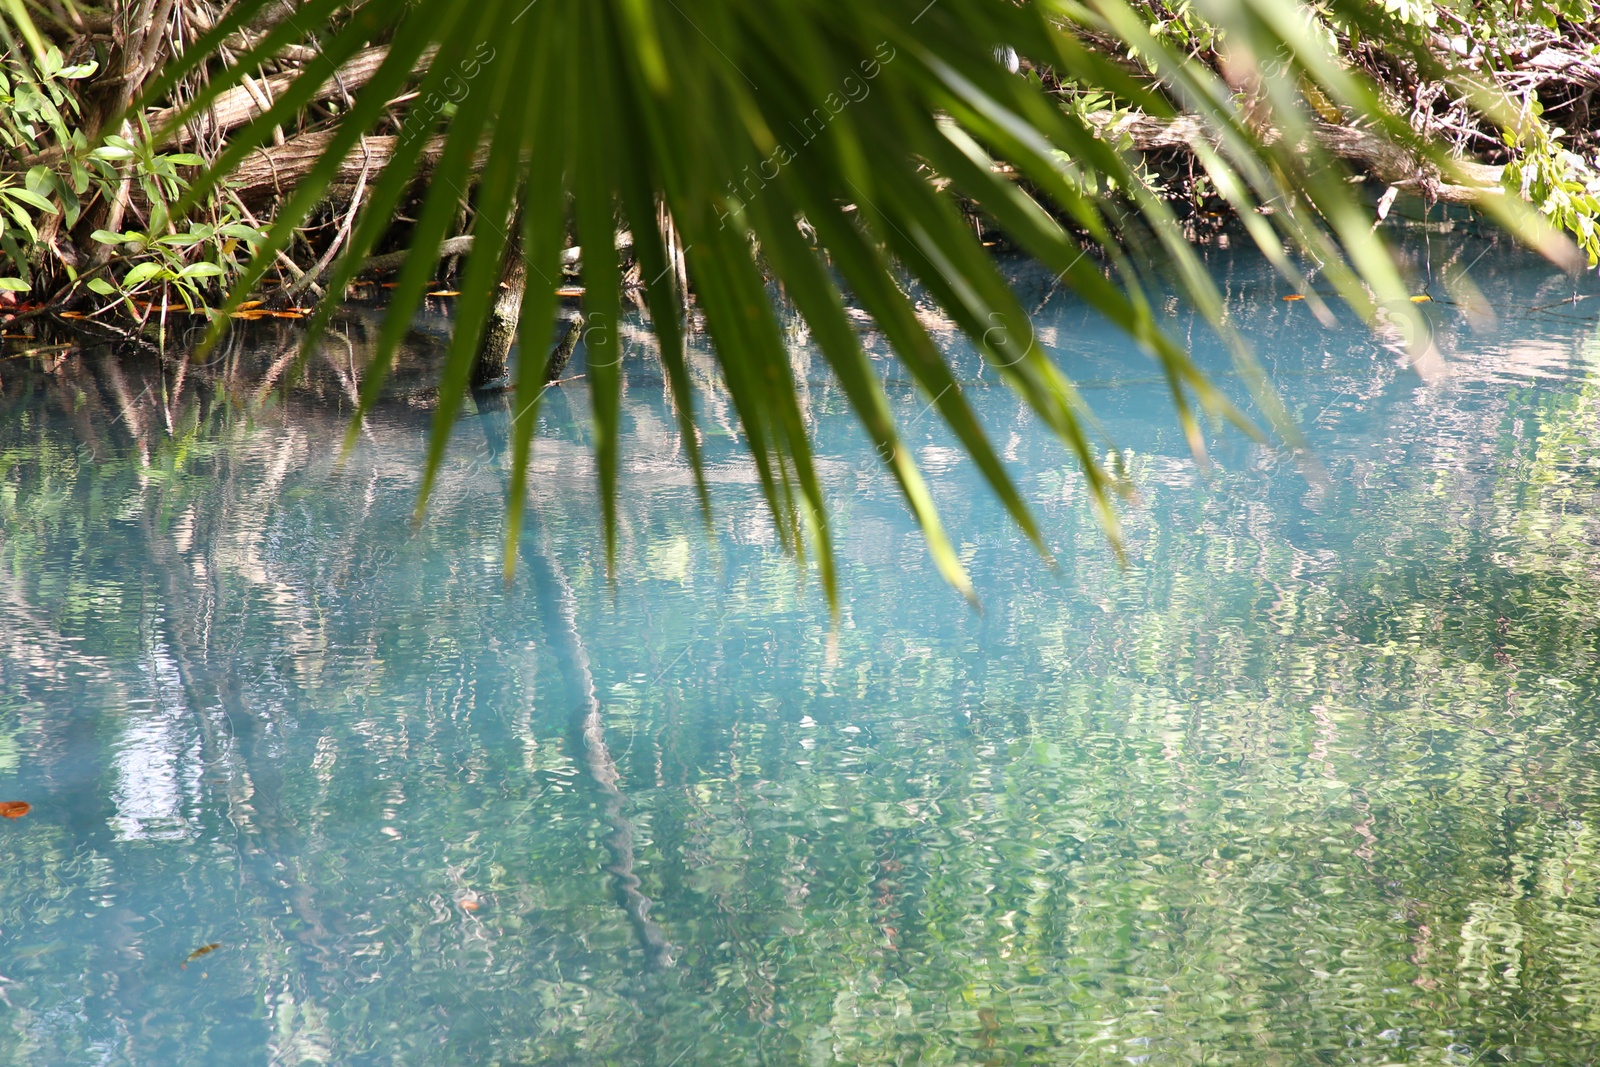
(1315, 779)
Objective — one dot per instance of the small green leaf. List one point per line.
(103, 287)
(13, 285)
(141, 272)
(23, 220)
(242, 232)
(200, 270)
(32, 199)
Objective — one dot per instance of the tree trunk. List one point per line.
(500, 332)
(563, 353)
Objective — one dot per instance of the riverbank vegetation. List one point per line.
(162, 153)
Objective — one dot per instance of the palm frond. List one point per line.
(754, 127)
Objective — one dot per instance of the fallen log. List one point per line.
(242, 103)
(245, 38)
(1388, 162)
(273, 170)
(454, 246)
(571, 257)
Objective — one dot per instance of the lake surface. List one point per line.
(1314, 779)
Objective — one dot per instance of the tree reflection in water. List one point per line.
(1312, 780)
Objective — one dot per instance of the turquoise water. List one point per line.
(1314, 779)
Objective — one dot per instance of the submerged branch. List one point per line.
(454, 246)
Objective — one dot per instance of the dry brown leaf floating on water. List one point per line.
(203, 950)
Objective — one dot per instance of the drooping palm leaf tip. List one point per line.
(824, 143)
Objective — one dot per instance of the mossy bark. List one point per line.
(492, 369)
(500, 332)
(563, 353)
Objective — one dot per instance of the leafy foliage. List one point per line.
(41, 120)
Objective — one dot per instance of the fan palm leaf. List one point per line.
(799, 141)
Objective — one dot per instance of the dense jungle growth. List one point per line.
(87, 189)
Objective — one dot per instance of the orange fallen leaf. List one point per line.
(248, 304)
(389, 285)
(72, 315)
(1422, 298)
(292, 313)
(15, 809)
(1295, 296)
(570, 290)
(253, 315)
(445, 292)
